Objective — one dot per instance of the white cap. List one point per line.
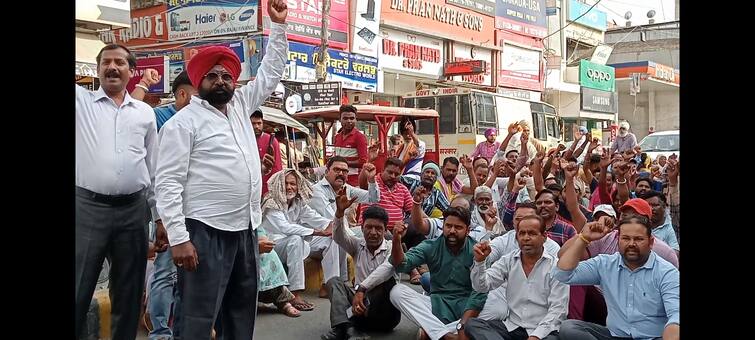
(605, 208)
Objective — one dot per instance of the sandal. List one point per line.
(302, 305)
(289, 310)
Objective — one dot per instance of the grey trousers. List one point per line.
(479, 329)
(381, 314)
(118, 232)
(222, 292)
(581, 330)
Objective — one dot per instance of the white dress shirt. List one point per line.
(209, 165)
(324, 199)
(116, 147)
(538, 302)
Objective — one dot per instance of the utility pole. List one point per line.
(324, 57)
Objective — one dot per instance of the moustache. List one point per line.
(341, 177)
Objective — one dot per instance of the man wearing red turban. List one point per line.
(208, 187)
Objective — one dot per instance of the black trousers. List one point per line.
(116, 230)
(382, 316)
(479, 329)
(222, 292)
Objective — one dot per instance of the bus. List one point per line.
(466, 113)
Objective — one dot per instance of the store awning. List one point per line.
(87, 47)
(282, 118)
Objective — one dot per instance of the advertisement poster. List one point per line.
(305, 22)
(161, 64)
(190, 19)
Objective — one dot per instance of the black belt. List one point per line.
(111, 199)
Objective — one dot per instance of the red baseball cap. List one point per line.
(638, 206)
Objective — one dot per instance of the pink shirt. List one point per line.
(486, 150)
(395, 201)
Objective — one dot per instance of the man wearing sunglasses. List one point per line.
(209, 183)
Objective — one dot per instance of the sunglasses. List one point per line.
(212, 76)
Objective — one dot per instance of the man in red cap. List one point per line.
(208, 187)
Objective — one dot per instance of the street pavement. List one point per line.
(272, 325)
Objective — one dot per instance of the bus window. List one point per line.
(538, 119)
(447, 112)
(465, 115)
(484, 112)
(426, 126)
(408, 102)
(553, 127)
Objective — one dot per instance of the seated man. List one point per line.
(432, 228)
(641, 288)
(452, 301)
(609, 244)
(435, 198)
(394, 197)
(537, 302)
(450, 185)
(587, 303)
(661, 219)
(297, 230)
(369, 298)
(324, 198)
(496, 304)
(485, 222)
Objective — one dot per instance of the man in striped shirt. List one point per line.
(394, 197)
(547, 206)
(351, 143)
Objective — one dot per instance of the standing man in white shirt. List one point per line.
(537, 301)
(116, 145)
(324, 199)
(209, 184)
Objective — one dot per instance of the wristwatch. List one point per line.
(360, 288)
(459, 326)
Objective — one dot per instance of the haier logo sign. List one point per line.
(204, 19)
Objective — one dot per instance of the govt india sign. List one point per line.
(596, 76)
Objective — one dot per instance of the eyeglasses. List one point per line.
(212, 76)
(337, 170)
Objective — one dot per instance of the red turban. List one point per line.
(207, 58)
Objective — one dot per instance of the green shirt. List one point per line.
(451, 287)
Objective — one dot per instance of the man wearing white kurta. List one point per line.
(297, 230)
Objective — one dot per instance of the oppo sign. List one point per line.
(596, 76)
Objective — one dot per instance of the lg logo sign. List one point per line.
(598, 75)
